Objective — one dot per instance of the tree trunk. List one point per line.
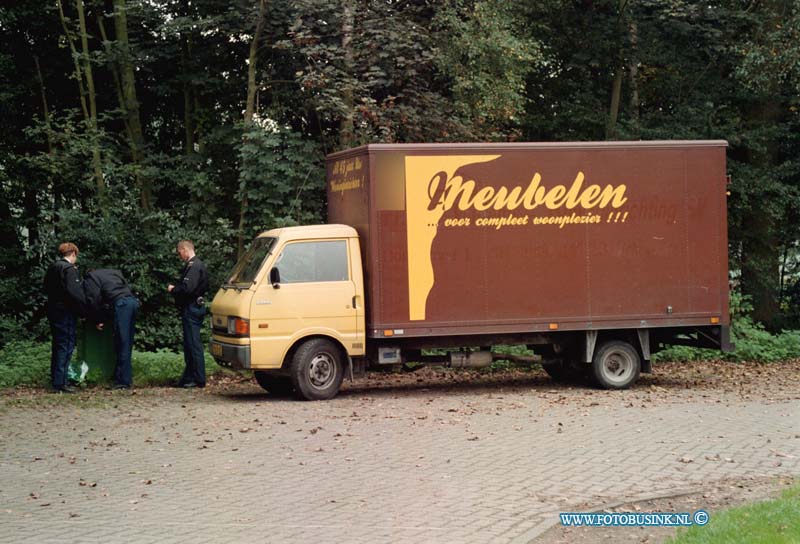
(188, 118)
(87, 70)
(45, 108)
(115, 76)
(201, 144)
(765, 220)
(760, 243)
(33, 228)
(78, 71)
(250, 110)
(252, 66)
(616, 84)
(128, 81)
(761, 267)
(616, 92)
(346, 128)
(89, 111)
(33, 220)
(186, 55)
(782, 273)
(633, 73)
(9, 238)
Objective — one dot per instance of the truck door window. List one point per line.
(303, 262)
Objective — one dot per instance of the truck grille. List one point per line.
(219, 324)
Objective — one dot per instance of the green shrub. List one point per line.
(24, 363)
(518, 349)
(14, 328)
(501, 365)
(753, 342)
(163, 367)
(28, 363)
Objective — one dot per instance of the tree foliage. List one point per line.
(210, 120)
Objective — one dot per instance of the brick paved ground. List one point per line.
(427, 461)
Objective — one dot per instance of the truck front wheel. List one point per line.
(316, 370)
(616, 365)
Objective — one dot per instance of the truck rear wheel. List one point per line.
(616, 365)
(279, 386)
(316, 370)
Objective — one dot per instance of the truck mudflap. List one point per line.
(230, 355)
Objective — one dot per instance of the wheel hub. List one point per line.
(321, 371)
(617, 366)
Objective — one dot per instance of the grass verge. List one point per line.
(770, 522)
(28, 363)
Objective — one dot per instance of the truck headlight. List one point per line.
(238, 326)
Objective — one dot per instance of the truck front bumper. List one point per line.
(230, 355)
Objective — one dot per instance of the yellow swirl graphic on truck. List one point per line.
(433, 187)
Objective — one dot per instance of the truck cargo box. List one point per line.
(461, 239)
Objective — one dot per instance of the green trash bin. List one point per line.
(96, 360)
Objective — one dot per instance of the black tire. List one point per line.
(616, 365)
(316, 370)
(565, 371)
(280, 386)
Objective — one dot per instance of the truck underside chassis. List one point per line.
(610, 359)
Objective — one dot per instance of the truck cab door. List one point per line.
(309, 290)
(357, 275)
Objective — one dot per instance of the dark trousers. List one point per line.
(63, 326)
(192, 317)
(124, 328)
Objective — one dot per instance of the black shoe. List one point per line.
(63, 389)
(193, 385)
(120, 386)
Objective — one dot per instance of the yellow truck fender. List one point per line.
(313, 332)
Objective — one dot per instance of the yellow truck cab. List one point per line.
(292, 310)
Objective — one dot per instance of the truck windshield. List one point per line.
(248, 266)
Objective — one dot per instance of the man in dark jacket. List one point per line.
(109, 299)
(65, 300)
(189, 295)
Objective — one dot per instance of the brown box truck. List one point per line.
(594, 255)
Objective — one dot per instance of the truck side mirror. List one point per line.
(275, 278)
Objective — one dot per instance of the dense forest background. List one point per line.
(129, 124)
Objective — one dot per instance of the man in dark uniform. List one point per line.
(189, 296)
(65, 301)
(110, 299)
